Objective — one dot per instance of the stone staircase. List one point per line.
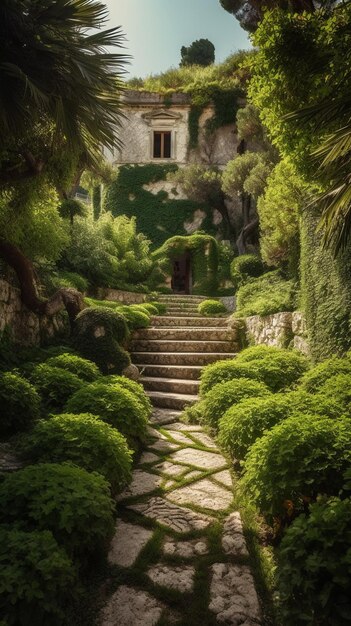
(171, 353)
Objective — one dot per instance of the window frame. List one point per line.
(162, 132)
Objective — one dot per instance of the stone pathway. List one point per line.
(179, 555)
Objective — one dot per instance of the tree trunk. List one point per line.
(69, 299)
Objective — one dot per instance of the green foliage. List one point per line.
(278, 368)
(266, 295)
(37, 579)
(146, 307)
(247, 421)
(297, 460)
(246, 174)
(55, 385)
(212, 308)
(70, 280)
(71, 208)
(223, 371)
(200, 52)
(245, 267)
(313, 577)
(97, 334)
(84, 440)
(313, 380)
(115, 405)
(133, 386)
(20, 404)
(135, 318)
(194, 413)
(84, 369)
(161, 307)
(338, 387)
(73, 504)
(224, 395)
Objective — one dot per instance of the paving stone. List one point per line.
(179, 578)
(171, 469)
(224, 478)
(142, 482)
(128, 541)
(164, 446)
(180, 437)
(175, 517)
(185, 549)
(202, 493)
(149, 457)
(169, 484)
(154, 433)
(164, 416)
(131, 607)
(233, 596)
(193, 475)
(199, 458)
(185, 427)
(205, 440)
(233, 540)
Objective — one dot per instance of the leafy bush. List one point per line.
(20, 404)
(161, 307)
(245, 267)
(148, 307)
(278, 368)
(338, 388)
(194, 413)
(84, 369)
(115, 405)
(297, 460)
(98, 333)
(247, 421)
(71, 502)
(55, 385)
(266, 295)
(37, 579)
(85, 440)
(225, 395)
(134, 387)
(70, 280)
(135, 318)
(222, 371)
(314, 566)
(211, 308)
(313, 380)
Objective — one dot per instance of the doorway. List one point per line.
(181, 276)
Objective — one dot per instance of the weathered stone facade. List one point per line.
(24, 327)
(280, 330)
(116, 295)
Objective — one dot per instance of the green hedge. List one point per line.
(55, 385)
(278, 368)
(133, 386)
(222, 371)
(266, 295)
(313, 380)
(212, 308)
(244, 267)
(19, 402)
(225, 395)
(84, 369)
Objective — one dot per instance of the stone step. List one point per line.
(198, 321)
(170, 385)
(165, 345)
(187, 372)
(161, 416)
(186, 304)
(180, 358)
(195, 334)
(181, 313)
(181, 298)
(176, 401)
(184, 309)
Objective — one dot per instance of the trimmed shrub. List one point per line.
(225, 395)
(222, 371)
(247, 421)
(161, 307)
(297, 460)
(135, 318)
(313, 380)
(278, 368)
(258, 352)
(338, 388)
(148, 307)
(211, 308)
(97, 335)
(84, 369)
(20, 404)
(75, 505)
(55, 385)
(266, 295)
(314, 566)
(244, 267)
(115, 405)
(194, 413)
(132, 385)
(37, 578)
(85, 440)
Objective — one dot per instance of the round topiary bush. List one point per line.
(132, 385)
(75, 505)
(338, 388)
(98, 336)
(212, 308)
(19, 402)
(161, 307)
(278, 368)
(135, 318)
(84, 369)
(222, 371)
(244, 267)
(313, 380)
(149, 307)
(313, 576)
(37, 578)
(224, 395)
(86, 441)
(55, 385)
(247, 421)
(115, 405)
(296, 461)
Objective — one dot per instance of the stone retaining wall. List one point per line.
(116, 295)
(280, 329)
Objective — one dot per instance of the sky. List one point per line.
(157, 29)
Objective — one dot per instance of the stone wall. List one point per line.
(24, 327)
(280, 330)
(116, 295)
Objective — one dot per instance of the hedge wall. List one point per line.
(326, 292)
(158, 217)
